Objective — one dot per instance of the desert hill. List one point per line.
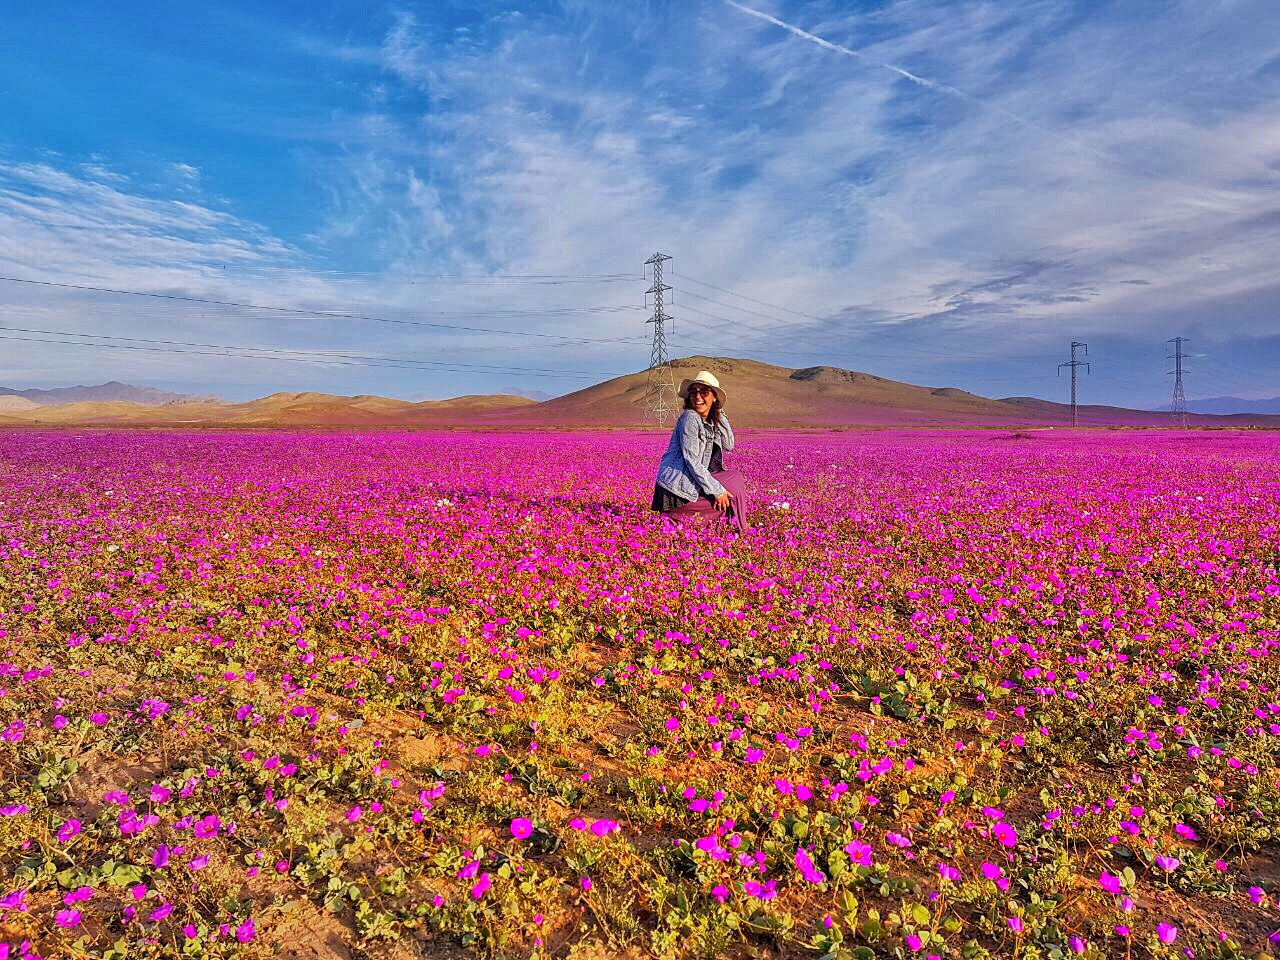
(764, 395)
(102, 392)
(760, 395)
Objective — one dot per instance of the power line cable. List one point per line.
(313, 354)
(260, 356)
(323, 314)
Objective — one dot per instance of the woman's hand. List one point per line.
(723, 501)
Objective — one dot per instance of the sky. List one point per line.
(425, 200)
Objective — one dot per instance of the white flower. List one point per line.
(781, 505)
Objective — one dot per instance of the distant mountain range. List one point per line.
(760, 395)
(1229, 405)
(102, 393)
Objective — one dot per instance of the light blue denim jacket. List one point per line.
(684, 467)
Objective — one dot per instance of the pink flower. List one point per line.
(1166, 932)
(859, 853)
(1004, 832)
(521, 828)
(68, 830)
(673, 723)
(245, 932)
(67, 918)
(804, 863)
(198, 863)
(604, 827)
(207, 827)
(1015, 924)
(1076, 944)
(585, 883)
(160, 912)
(1168, 864)
(481, 886)
(948, 872)
(1110, 883)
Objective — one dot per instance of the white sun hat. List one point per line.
(707, 379)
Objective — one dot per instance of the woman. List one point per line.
(691, 481)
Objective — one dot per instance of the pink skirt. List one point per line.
(704, 509)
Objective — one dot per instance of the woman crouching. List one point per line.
(692, 482)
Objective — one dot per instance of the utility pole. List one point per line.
(1179, 406)
(660, 396)
(1073, 363)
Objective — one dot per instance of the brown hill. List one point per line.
(276, 411)
(763, 395)
(760, 395)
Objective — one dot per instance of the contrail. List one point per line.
(900, 71)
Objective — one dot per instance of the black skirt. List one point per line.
(664, 501)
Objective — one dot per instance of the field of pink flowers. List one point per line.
(389, 695)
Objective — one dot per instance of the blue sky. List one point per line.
(941, 192)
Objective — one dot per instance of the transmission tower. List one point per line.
(1179, 406)
(660, 395)
(1073, 363)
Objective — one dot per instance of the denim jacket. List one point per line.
(683, 469)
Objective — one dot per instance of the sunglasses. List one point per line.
(698, 388)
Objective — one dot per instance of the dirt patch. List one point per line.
(101, 772)
(310, 933)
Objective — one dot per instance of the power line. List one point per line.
(743, 296)
(392, 363)
(330, 315)
(1179, 405)
(313, 354)
(659, 397)
(1073, 363)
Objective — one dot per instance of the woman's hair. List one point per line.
(713, 417)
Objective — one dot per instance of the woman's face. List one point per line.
(703, 397)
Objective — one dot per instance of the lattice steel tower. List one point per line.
(660, 396)
(1073, 363)
(1179, 406)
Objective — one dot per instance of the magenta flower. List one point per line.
(67, 918)
(1110, 883)
(1166, 932)
(948, 872)
(207, 827)
(481, 886)
(68, 830)
(160, 912)
(521, 828)
(1004, 832)
(804, 863)
(860, 854)
(1168, 864)
(245, 931)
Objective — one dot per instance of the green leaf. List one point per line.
(920, 913)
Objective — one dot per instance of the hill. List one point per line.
(760, 395)
(102, 392)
